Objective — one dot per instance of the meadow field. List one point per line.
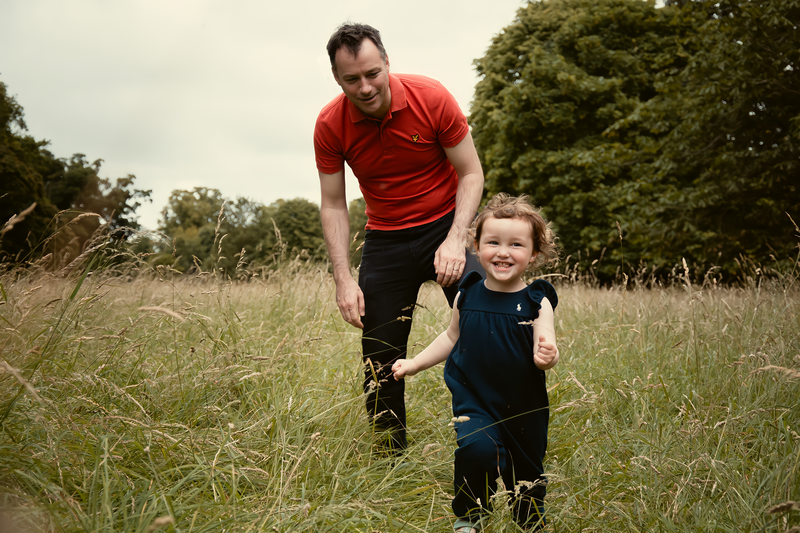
(161, 402)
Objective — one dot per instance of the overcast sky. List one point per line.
(215, 94)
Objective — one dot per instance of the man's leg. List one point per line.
(394, 264)
(390, 282)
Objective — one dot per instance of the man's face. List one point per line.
(364, 78)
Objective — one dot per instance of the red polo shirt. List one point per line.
(402, 169)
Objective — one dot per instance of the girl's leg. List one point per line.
(528, 489)
(528, 508)
(479, 460)
(465, 526)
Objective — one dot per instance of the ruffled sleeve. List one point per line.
(469, 280)
(540, 289)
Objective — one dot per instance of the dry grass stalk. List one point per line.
(784, 507)
(160, 522)
(24, 382)
(162, 310)
(788, 371)
(16, 219)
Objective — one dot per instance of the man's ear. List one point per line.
(387, 62)
(335, 76)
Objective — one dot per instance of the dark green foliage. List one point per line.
(30, 173)
(77, 189)
(611, 112)
(247, 233)
(190, 221)
(22, 162)
(729, 171)
(79, 186)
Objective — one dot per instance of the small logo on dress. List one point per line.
(519, 307)
(415, 137)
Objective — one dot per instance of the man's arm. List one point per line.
(450, 257)
(336, 230)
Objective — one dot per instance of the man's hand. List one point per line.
(449, 262)
(336, 230)
(404, 367)
(350, 300)
(546, 356)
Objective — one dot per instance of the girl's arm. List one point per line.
(435, 353)
(545, 351)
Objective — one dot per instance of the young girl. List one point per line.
(495, 365)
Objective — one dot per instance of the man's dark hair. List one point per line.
(351, 36)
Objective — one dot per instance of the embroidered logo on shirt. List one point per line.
(519, 307)
(415, 137)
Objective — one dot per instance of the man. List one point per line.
(409, 145)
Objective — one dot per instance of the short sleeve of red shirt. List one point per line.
(452, 121)
(327, 145)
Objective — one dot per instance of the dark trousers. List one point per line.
(394, 265)
(480, 458)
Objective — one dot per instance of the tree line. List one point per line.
(205, 231)
(648, 135)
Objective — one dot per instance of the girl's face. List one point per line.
(505, 251)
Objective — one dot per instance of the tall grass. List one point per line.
(195, 404)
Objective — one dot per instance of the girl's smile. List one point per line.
(505, 251)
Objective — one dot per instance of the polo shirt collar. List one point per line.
(398, 100)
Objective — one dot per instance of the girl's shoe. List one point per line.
(465, 526)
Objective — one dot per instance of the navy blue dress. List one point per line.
(495, 383)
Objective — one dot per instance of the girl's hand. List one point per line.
(404, 367)
(546, 355)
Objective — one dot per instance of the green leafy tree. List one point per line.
(190, 221)
(728, 172)
(300, 226)
(250, 235)
(77, 189)
(549, 114)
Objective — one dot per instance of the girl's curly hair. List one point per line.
(503, 205)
